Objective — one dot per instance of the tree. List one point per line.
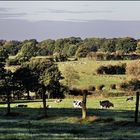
(26, 78)
(48, 76)
(59, 45)
(6, 83)
(71, 76)
(109, 45)
(126, 45)
(46, 47)
(82, 51)
(28, 50)
(3, 52)
(138, 47)
(72, 50)
(12, 46)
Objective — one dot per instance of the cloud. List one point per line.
(6, 13)
(9, 15)
(76, 12)
(3, 9)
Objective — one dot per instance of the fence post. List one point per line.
(137, 107)
(84, 112)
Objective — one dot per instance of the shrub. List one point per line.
(113, 86)
(113, 94)
(78, 92)
(91, 88)
(101, 70)
(112, 69)
(100, 87)
(75, 91)
(133, 68)
(132, 85)
(10, 62)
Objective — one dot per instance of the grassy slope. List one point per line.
(87, 71)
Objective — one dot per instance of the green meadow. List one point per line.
(64, 121)
(87, 72)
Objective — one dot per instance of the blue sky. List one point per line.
(59, 19)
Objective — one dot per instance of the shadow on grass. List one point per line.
(64, 123)
(69, 112)
(28, 101)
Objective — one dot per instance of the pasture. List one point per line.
(64, 121)
(87, 72)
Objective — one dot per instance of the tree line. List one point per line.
(68, 47)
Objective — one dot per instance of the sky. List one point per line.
(56, 19)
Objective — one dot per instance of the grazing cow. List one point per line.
(58, 101)
(21, 106)
(77, 104)
(129, 98)
(106, 104)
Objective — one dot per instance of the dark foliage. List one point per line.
(112, 69)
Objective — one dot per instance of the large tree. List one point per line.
(6, 83)
(48, 77)
(26, 78)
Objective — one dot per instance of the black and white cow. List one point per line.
(129, 98)
(77, 104)
(58, 101)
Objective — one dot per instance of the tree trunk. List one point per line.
(8, 104)
(137, 107)
(18, 96)
(84, 112)
(28, 94)
(44, 101)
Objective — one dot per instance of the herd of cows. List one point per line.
(78, 103)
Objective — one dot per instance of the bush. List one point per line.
(132, 85)
(112, 56)
(113, 86)
(113, 94)
(133, 68)
(91, 88)
(78, 92)
(112, 69)
(10, 62)
(75, 91)
(100, 87)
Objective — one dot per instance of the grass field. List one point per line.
(64, 122)
(87, 72)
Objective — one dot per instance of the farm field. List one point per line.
(87, 72)
(64, 121)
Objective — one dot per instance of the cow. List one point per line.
(21, 106)
(129, 98)
(77, 104)
(58, 101)
(106, 104)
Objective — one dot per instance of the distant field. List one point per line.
(64, 121)
(87, 71)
